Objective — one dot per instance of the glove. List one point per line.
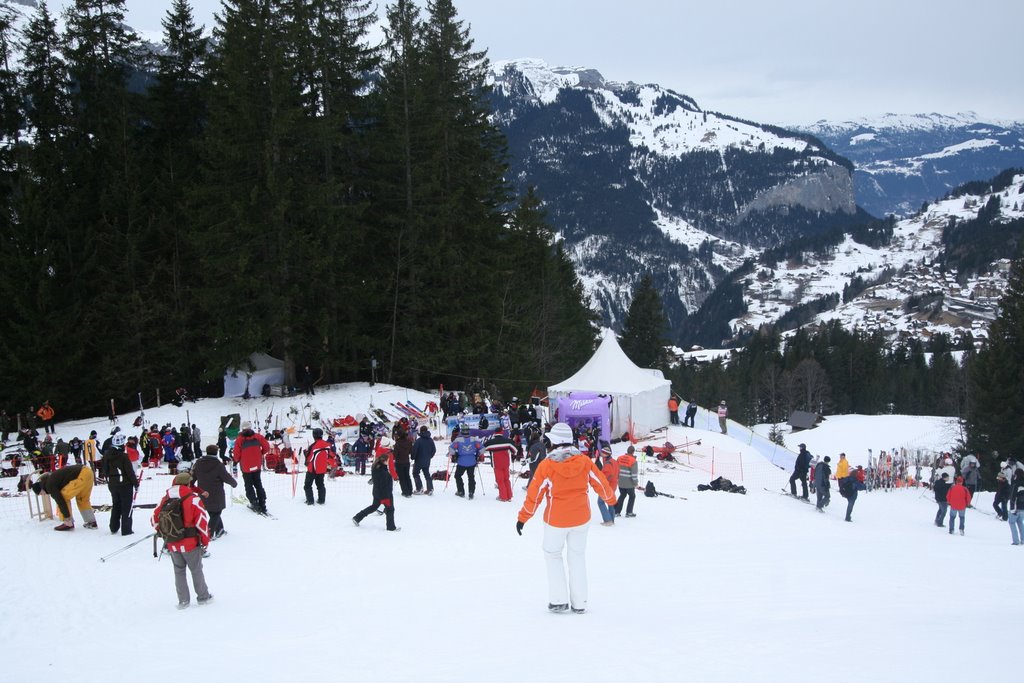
(519, 528)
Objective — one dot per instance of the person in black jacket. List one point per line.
(383, 491)
(210, 475)
(403, 453)
(121, 482)
(1001, 497)
(941, 488)
(422, 452)
(803, 464)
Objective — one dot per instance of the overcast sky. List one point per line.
(786, 62)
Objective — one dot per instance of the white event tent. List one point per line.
(638, 395)
(266, 370)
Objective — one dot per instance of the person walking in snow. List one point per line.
(187, 553)
(609, 467)
(723, 417)
(383, 491)
(822, 474)
(800, 469)
(211, 475)
(848, 489)
(74, 482)
(464, 451)
(319, 456)
(501, 450)
(629, 479)
(673, 410)
(422, 453)
(403, 461)
(121, 482)
(562, 480)
(361, 450)
(1002, 497)
(536, 451)
(959, 499)
(1015, 511)
(941, 489)
(250, 450)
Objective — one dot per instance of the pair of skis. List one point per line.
(409, 410)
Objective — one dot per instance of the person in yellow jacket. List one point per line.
(563, 479)
(66, 484)
(92, 452)
(842, 467)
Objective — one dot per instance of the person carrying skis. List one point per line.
(211, 474)
(383, 491)
(319, 456)
(803, 464)
(188, 552)
(72, 482)
(121, 482)
(249, 451)
(563, 481)
(501, 450)
(464, 451)
(422, 452)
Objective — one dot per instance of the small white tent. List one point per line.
(639, 396)
(267, 370)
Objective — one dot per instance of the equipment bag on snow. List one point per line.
(649, 490)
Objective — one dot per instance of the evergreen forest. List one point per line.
(285, 186)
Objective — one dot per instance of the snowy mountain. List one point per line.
(638, 178)
(920, 283)
(903, 161)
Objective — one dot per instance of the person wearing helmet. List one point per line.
(117, 469)
(319, 456)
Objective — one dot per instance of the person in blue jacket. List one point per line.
(422, 451)
(465, 450)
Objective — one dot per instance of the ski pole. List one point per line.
(130, 545)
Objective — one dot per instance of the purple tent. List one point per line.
(584, 409)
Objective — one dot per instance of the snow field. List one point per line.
(719, 587)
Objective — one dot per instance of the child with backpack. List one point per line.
(182, 522)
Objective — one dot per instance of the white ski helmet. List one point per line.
(118, 440)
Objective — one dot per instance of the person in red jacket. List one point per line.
(501, 449)
(188, 552)
(563, 479)
(958, 499)
(250, 450)
(319, 456)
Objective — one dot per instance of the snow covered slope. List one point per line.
(711, 586)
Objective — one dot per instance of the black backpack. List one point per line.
(649, 490)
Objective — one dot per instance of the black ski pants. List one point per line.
(216, 523)
(623, 494)
(254, 490)
(471, 473)
(389, 511)
(802, 477)
(404, 479)
(121, 508)
(321, 492)
(425, 471)
(850, 500)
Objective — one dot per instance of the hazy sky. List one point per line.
(790, 61)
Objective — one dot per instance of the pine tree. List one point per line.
(996, 385)
(643, 336)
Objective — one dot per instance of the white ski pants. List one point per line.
(575, 538)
